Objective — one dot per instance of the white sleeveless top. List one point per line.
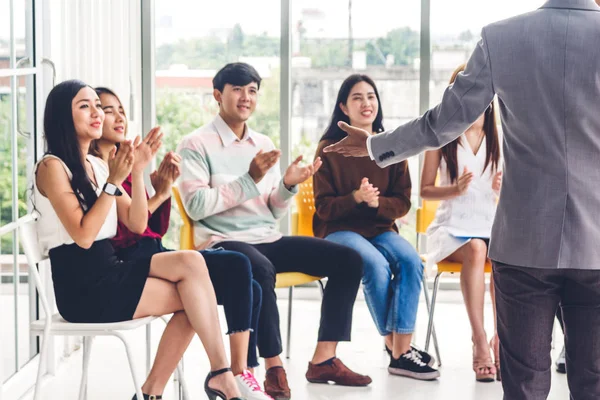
(468, 216)
(51, 232)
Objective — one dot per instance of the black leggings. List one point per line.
(340, 264)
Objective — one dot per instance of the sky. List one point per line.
(322, 18)
(329, 18)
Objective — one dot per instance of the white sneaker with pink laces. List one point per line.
(250, 388)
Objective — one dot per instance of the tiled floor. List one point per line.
(109, 377)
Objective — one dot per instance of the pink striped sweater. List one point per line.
(218, 193)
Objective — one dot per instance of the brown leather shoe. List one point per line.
(336, 372)
(276, 384)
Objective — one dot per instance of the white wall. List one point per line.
(98, 41)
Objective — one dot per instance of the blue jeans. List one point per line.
(392, 278)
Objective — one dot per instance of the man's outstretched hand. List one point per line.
(353, 145)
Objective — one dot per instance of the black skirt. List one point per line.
(94, 286)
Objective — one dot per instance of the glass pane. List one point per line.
(337, 38)
(192, 45)
(5, 169)
(23, 32)
(4, 41)
(25, 164)
(453, 39)
(7, 307)
(25, 142)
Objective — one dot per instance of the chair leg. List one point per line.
(433, 300)
(87, 350)
(130, 358)
(148, 348)
(322, 287)
(289, 324)
(183, 390)
(43, 358)
(428, 303)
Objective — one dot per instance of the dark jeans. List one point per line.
(231, 275)
(526, 303)
(340, 264)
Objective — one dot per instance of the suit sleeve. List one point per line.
(462, 103)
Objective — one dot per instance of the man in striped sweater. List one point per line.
(232, 188)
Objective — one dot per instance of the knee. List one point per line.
(413, 265)
(264, 274)
(238, 265)
(256, 293)
(476, 250)
(193, 263)
(353, 263)
(376, 269)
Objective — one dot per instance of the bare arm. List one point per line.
(133, 211)
(53, 182)
(156, 201)
(429, 191)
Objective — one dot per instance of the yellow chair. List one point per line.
(306, 210)
(186, 233)
(425, 216)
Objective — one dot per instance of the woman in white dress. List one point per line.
(469, 184)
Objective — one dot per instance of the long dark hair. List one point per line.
(449, 151)
(61, 138)
(333, 131)
(94, 149)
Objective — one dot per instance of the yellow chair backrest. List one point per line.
(425, 215)
(186, 233)
(305, 203)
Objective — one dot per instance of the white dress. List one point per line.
(471, 215)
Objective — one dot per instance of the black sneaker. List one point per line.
(425, 356)
(411, 365)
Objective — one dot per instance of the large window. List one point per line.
(330, 40)
(17, 133)
(192, 45)
(455, 33)
(334, 39)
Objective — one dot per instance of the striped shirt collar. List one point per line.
(228, 137)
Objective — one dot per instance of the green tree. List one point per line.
(466, 36)
(212, 53)
(6, 183)
(235, 42)
(402, 43)
(326, 53)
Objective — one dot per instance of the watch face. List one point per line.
(111, 189)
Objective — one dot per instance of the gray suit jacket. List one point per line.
(544, 67)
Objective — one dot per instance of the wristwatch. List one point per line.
(111, 189)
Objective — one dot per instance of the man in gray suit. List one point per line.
(544, 68)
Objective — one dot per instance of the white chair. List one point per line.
(55, 325)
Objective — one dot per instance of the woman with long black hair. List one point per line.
(357, 204)
(230, 272)
(469, 170)
(80, 200)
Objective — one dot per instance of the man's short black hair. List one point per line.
(236, 74)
